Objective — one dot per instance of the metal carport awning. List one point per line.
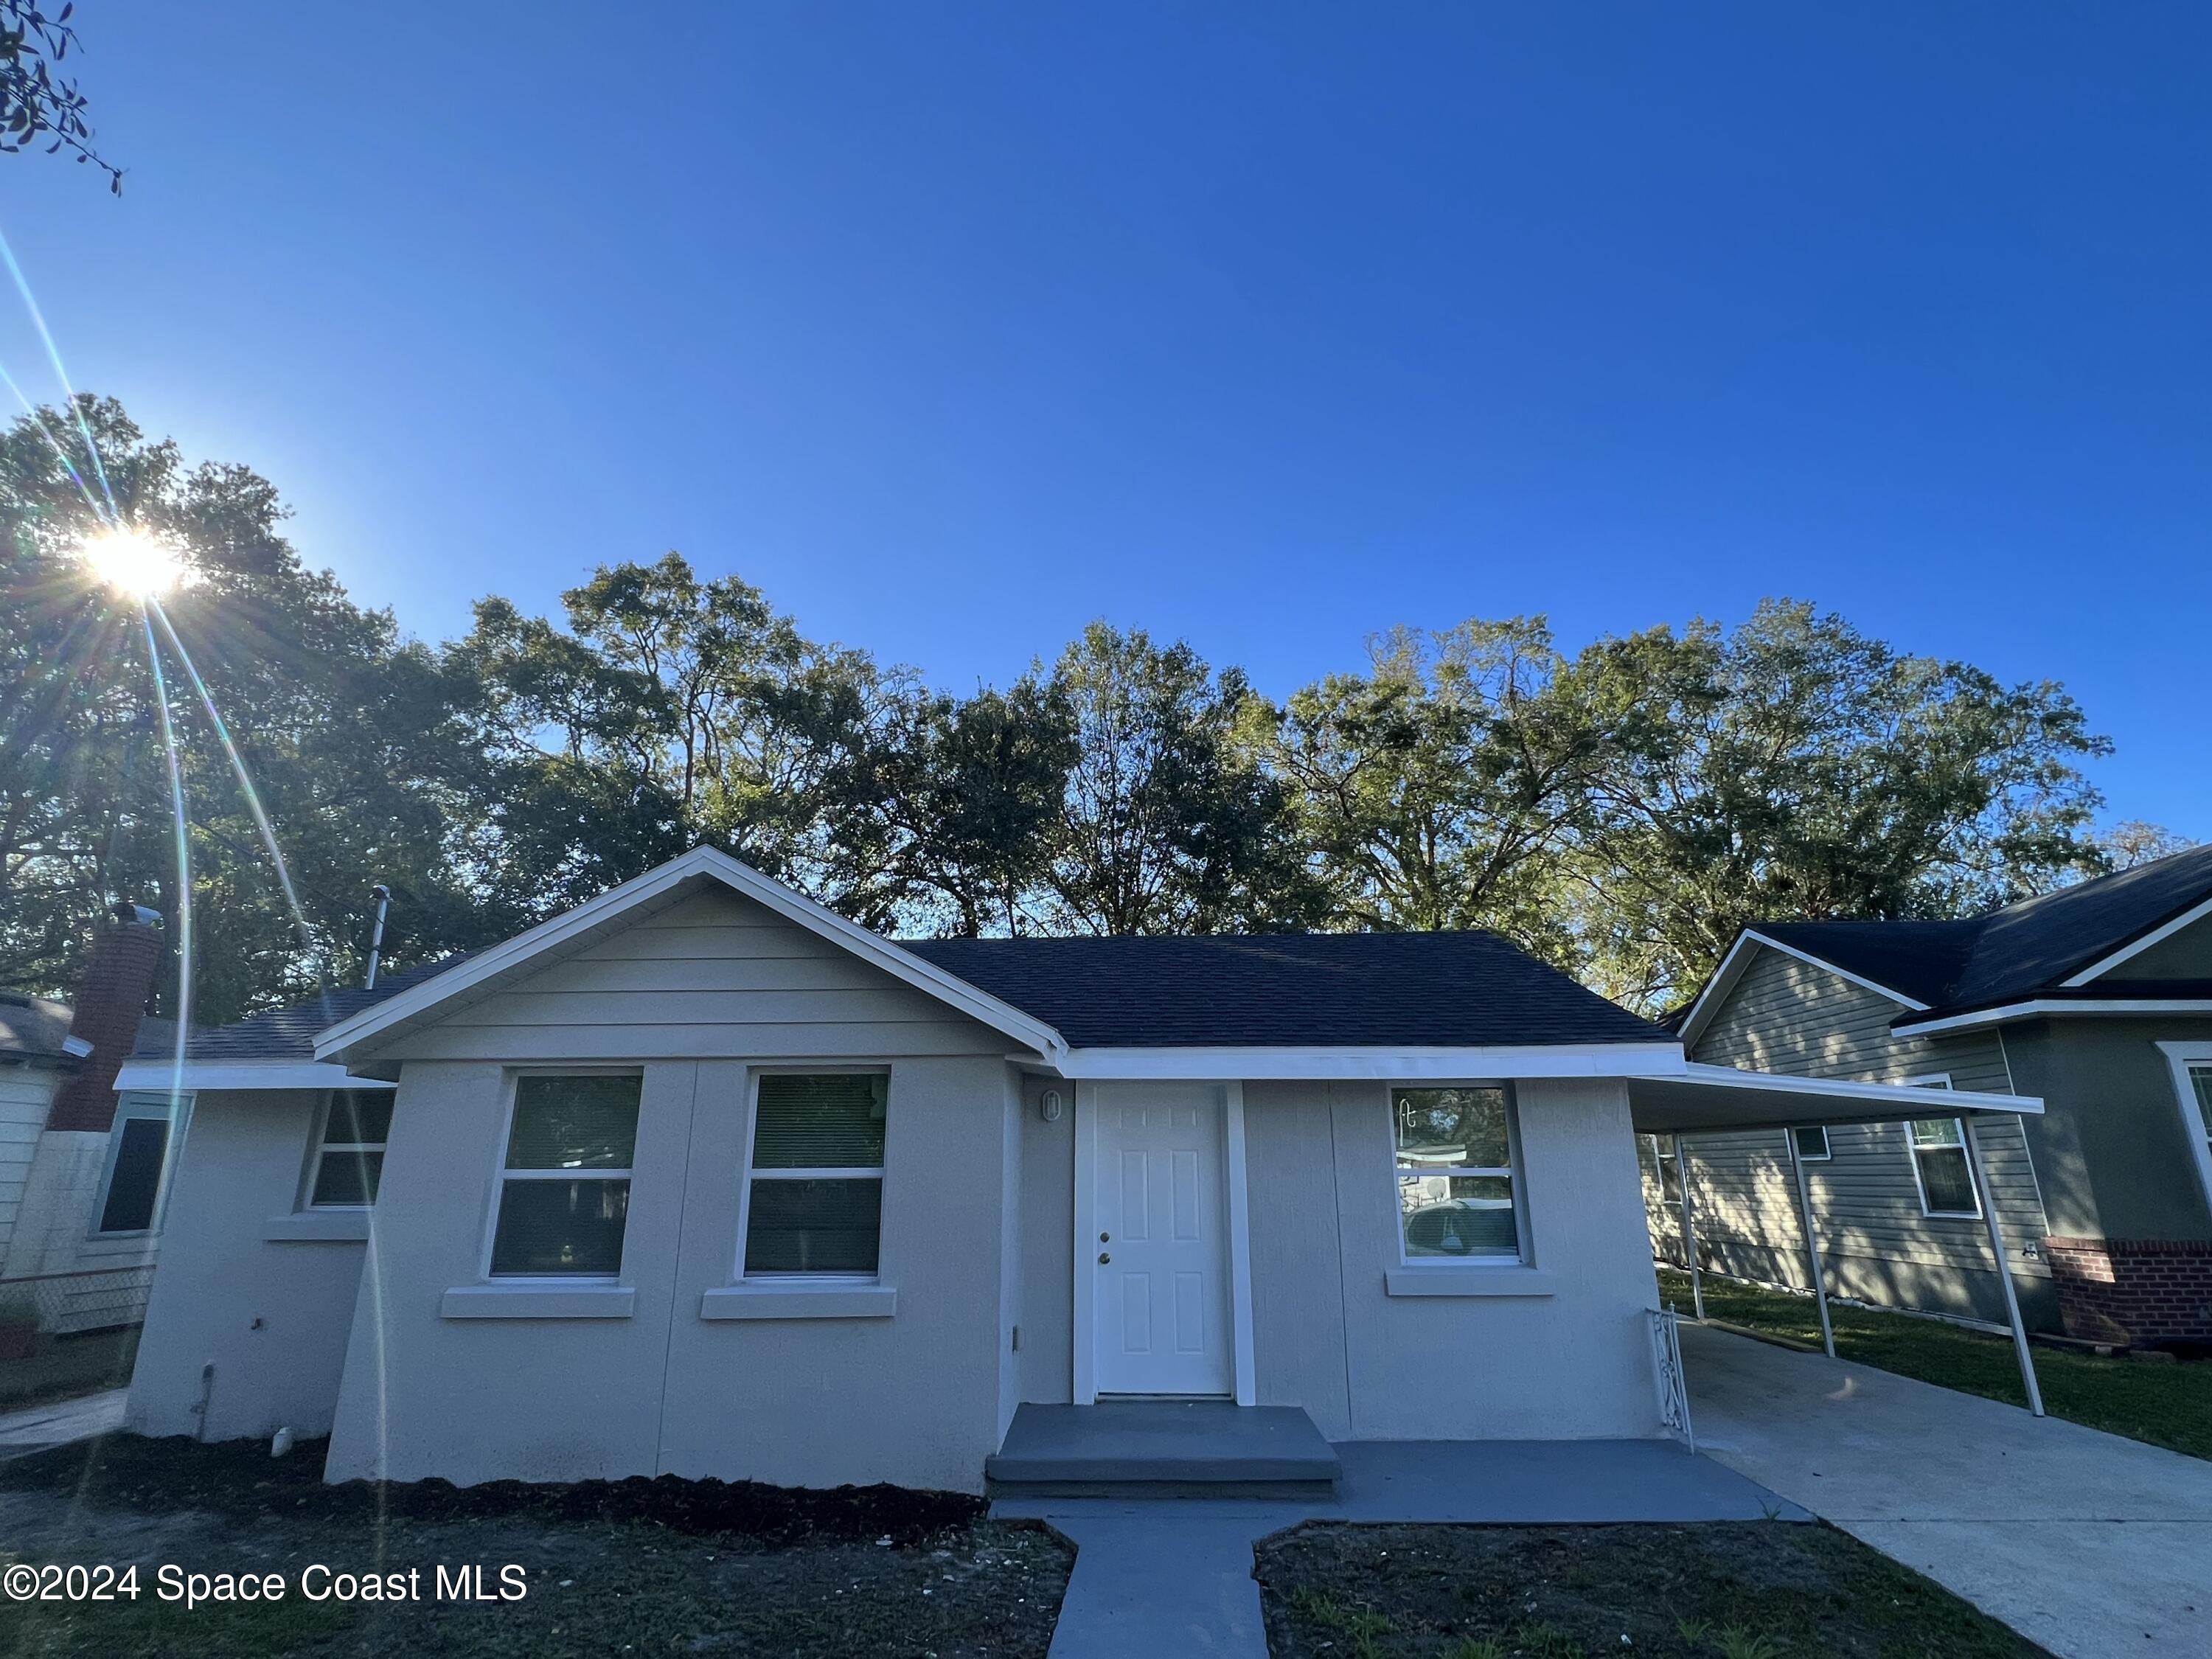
(1701, 1099)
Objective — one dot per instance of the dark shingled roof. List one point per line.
(2025, 948)
(280, 1033)
(33, 1028)
(1303, 990)
(1297, 990)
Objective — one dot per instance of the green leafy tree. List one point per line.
(341, 725)
(1798, 769)
(1169, 824)
(40, 108)
(1442, 787)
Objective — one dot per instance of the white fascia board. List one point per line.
(247, 1074)
(2040, 1007)
(2104, 964)
(1739, 958)
(547, 936)
(1906, 1094)
(1396, 1065)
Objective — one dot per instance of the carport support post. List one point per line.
(1812, 1243)
(2004, 1268)
(1689, 1229)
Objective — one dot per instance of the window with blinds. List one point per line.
(815, 1191)
(564, 1192)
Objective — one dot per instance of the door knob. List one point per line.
(1104, 1258)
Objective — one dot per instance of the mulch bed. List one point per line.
(1736, 1590)
(638, 1566)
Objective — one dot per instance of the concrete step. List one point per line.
(1163, 1447)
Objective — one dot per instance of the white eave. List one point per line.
(1720, 1099)
(652, 890)
(2048, 1007)
(1393, 1064)
(162, 1075)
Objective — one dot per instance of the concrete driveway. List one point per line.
(2088, 1543)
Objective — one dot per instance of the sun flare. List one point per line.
(132, 562)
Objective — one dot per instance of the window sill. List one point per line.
(1467, 1281)
(799, 1301)
(318, 1227)
(538, 1302)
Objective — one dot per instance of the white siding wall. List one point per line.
(26, 1094)
(695, 994)
(1790, 1017)
(272, 1317)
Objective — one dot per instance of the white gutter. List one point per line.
(1254, 1064)
(2038, 1007)
(239, 1074)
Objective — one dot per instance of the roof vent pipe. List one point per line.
(376, 940)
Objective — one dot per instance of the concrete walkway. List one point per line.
(37, 1427)
(1170, 1576)
(2088, 1543)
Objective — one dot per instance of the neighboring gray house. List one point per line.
(2096, 998)
(702, 1179)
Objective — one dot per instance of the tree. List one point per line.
(1167, 823)
(37, 107)
(1442, 787)
(1797, 768)
(2131, 842)
(341, 725)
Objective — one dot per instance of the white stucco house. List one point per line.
(702, 1179)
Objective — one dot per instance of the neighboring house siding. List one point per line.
(26, 1094)
(1788, 1015)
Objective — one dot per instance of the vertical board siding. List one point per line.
(1790, 1017)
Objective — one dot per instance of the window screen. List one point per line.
(564, 1192)
(815, 1204)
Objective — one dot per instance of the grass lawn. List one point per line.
(1734, 1590)
(2168, 1405)
(634, 1566)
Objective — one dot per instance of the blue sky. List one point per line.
(953, 326)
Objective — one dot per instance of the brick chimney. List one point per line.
(110, 1004)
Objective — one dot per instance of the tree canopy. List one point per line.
(1621, 810)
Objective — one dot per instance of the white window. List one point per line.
(564, 1184)
(1456, 1190)
(814, 1198)
(349, 1160)
(141, 1148)
(2192, 1081)
(1812, 1141)
(1667, 1165)
(1939, 1161)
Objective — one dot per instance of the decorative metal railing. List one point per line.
(1666, 1370)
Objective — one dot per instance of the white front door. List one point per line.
(1160, 1302)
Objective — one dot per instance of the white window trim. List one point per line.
(1827, 1152)
(177, 1111)
(2184, 1058)
(320, 1146)
(739, 1277)
(1515, 1171)
(1937, 1080)
(501, 1174)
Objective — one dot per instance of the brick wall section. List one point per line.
(2140, 1291)
(107, 1011)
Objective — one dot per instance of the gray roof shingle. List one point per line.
(33, 1028)
(2024, 948)
(1291, 990)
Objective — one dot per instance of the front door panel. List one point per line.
(1160, 1299)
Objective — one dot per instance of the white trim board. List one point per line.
(661, 885)
(2163, 932)
(240, 1074)
(1234, 1065)
(1739, 958)
(2045, 1007)
(2181, 1056)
